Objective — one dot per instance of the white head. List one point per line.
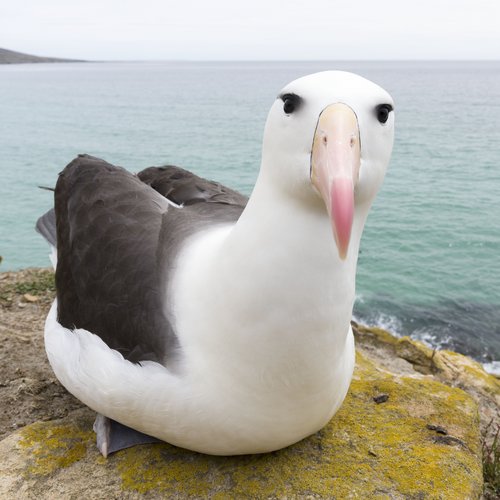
(329, 136)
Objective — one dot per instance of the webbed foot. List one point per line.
(112, 436)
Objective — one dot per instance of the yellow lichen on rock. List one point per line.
(405, 454)
(52, 447)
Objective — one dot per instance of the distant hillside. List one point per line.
(11, 57)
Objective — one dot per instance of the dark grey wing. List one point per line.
(117, 237)
(109, 274)
(185, 188)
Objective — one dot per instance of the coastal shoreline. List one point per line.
(12, 57)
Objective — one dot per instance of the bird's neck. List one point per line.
(283, 253)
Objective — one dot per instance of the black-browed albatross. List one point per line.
(214, 324)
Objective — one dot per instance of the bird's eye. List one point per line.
(291, 102)
(383, 111)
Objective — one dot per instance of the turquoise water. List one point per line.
(430, 255)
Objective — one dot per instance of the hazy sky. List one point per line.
(254, 29)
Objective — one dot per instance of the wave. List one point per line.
(493, 368)
(468, 328)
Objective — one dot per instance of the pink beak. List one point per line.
(335, 162)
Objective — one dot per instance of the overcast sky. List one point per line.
(253, 29)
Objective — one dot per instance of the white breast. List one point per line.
(276, 377)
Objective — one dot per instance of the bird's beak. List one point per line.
(335, 161)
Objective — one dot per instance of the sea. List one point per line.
(429, 265)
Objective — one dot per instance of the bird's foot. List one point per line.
(112, 436)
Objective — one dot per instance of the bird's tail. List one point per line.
(46, 226)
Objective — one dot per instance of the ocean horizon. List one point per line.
(429, 263)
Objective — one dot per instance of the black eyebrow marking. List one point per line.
(290, 95)
(291, 102)
(383, 111)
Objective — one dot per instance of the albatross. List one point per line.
(191, 314)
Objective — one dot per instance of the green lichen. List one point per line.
(37, 282)
(368, 450)
(50, 447)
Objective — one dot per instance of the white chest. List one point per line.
(262, 340)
